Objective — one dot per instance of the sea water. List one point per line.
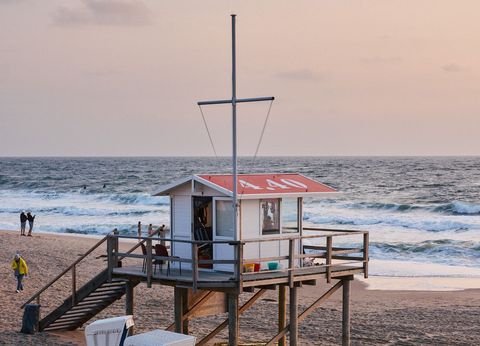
(423, 213)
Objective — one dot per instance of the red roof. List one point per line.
(259, 184)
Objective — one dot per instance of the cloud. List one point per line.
(451, 68)
(381, 60)
(104, 12)
(301, 74)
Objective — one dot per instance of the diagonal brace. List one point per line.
(305, 313)
(222, 325)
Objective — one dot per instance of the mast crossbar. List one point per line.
(251, 99)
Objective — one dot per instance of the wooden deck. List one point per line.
(218, 280)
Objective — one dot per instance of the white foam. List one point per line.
(416, 276)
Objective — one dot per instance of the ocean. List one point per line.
(420, 210)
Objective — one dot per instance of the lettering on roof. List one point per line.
(268, 183)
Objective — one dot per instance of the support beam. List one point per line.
(293, 317)
(233, 321)
(282, 312)
(305, 313)
(129, 302)
(178, 309)
(346, 311)
(185, 305)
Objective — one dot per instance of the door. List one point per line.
(223, 230)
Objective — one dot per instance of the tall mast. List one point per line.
(233, 101)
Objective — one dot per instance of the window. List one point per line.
(289, 215)
(224, 218)
(270, 216)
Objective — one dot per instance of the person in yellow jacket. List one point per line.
(20, 269)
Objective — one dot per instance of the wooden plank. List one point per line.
(129, 302)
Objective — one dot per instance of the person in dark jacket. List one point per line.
(23, 223)
(30, 219)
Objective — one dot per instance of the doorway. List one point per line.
(202, 228)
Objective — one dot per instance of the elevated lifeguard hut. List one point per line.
(229, 234)
(270, 206)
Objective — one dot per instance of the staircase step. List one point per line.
(105, 293)
(103, 297)
(67, 324)
(94, 302)
(111, 288)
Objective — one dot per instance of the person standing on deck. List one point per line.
(23, 222)
(20, 269)
(30, 219)
(139, 230)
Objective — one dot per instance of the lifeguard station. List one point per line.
(229, 234)
(270, 207)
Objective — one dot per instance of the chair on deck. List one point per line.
(161, 251)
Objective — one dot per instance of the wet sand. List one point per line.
(378, 317)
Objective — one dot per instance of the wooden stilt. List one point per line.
(346, 311)
(185, 309)
(293, 317)
(178, 309)
(129, 302)
(282, 316)
(233, 322)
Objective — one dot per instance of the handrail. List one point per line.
(65, 271)
(78, 260)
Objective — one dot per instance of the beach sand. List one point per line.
(378, 317)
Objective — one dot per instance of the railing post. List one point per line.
(115, 248)
(329, 259)
(39, 313)
(74, 285)
(365, 254)
(110, 256)
(194, 266)
(239, 265)
(291, 262)
(149, 261)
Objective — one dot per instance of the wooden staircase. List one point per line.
(90, 299)
(94, 296)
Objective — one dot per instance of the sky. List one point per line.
(122, 78)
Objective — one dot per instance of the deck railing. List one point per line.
(294, 263)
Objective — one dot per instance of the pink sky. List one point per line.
(91, 77)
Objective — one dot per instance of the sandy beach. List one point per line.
(379, 317)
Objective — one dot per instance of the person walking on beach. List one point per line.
(150, 230)
(139, 230)
(30, 219)
(20, 269)
(23, 222)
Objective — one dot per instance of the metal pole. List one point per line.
(234, 128)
